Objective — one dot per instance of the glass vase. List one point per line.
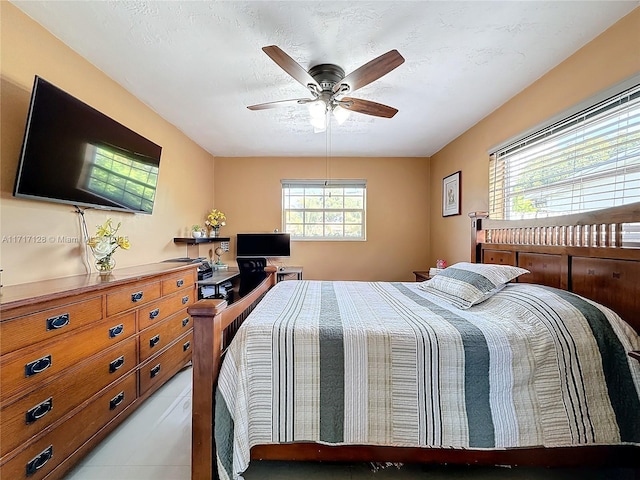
(105, 265)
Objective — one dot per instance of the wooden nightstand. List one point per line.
(421, 275)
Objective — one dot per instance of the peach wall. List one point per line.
(248, 190)
(27, 49)
(609, 59)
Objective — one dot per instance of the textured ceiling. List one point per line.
(199, 64)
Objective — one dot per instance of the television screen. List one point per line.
(263, 245)
(74, 154)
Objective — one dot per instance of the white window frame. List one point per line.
(606, 132)
(307, 216)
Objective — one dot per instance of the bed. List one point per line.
(404, 372)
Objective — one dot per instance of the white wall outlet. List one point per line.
(224, 246)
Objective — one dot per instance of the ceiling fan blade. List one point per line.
(367, 107)
(371, 71)
(290, 66)
(281, 103)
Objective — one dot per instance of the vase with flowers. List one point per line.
(104, 243)
(215, 220)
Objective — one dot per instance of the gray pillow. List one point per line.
(467, 284)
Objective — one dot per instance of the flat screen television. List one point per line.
(263, 245)
(74, 154)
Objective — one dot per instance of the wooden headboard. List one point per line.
(588, 253)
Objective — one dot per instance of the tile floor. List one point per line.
(154, 443)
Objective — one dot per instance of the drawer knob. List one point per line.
(115, 401)
(185, 299)
(186, 346)
(155, 371)
(115, 331)
(37, 366)
(185, 321)
(154, 313)
(53, 323)
(39, 461)
(136, 297)
(154, 341)
(116, 364)
(179, 283)
(39, 410)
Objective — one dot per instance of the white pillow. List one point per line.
(467, 284)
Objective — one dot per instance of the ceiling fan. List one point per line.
(328, 84)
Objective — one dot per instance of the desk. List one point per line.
(284, 271)
(218, 278)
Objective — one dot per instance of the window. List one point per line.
(319, 210)
(587, 161)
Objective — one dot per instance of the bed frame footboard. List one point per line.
(214, 325)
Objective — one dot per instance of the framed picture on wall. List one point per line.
(451, 195)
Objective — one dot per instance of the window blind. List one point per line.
(324, 210)
(588, 161)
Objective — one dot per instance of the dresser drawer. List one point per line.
(30, 367)
(132, 296)
(47, 324)
(156, 371)
(183, 281)
(54, 447)
(29, 415)
(156, 311)
(156, 337)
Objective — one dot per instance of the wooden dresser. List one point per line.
(79, 354)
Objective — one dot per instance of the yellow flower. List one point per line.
(123, 242)
(216, 218)
(107, 229)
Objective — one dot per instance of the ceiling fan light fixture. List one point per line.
(318, 114)
(317, 109)
(319, 124)
(341, 114)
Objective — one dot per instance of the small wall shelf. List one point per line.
(193, 244)
(195, 241)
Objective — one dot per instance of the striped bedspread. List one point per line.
(387, 364)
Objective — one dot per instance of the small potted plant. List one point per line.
(196, 231)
